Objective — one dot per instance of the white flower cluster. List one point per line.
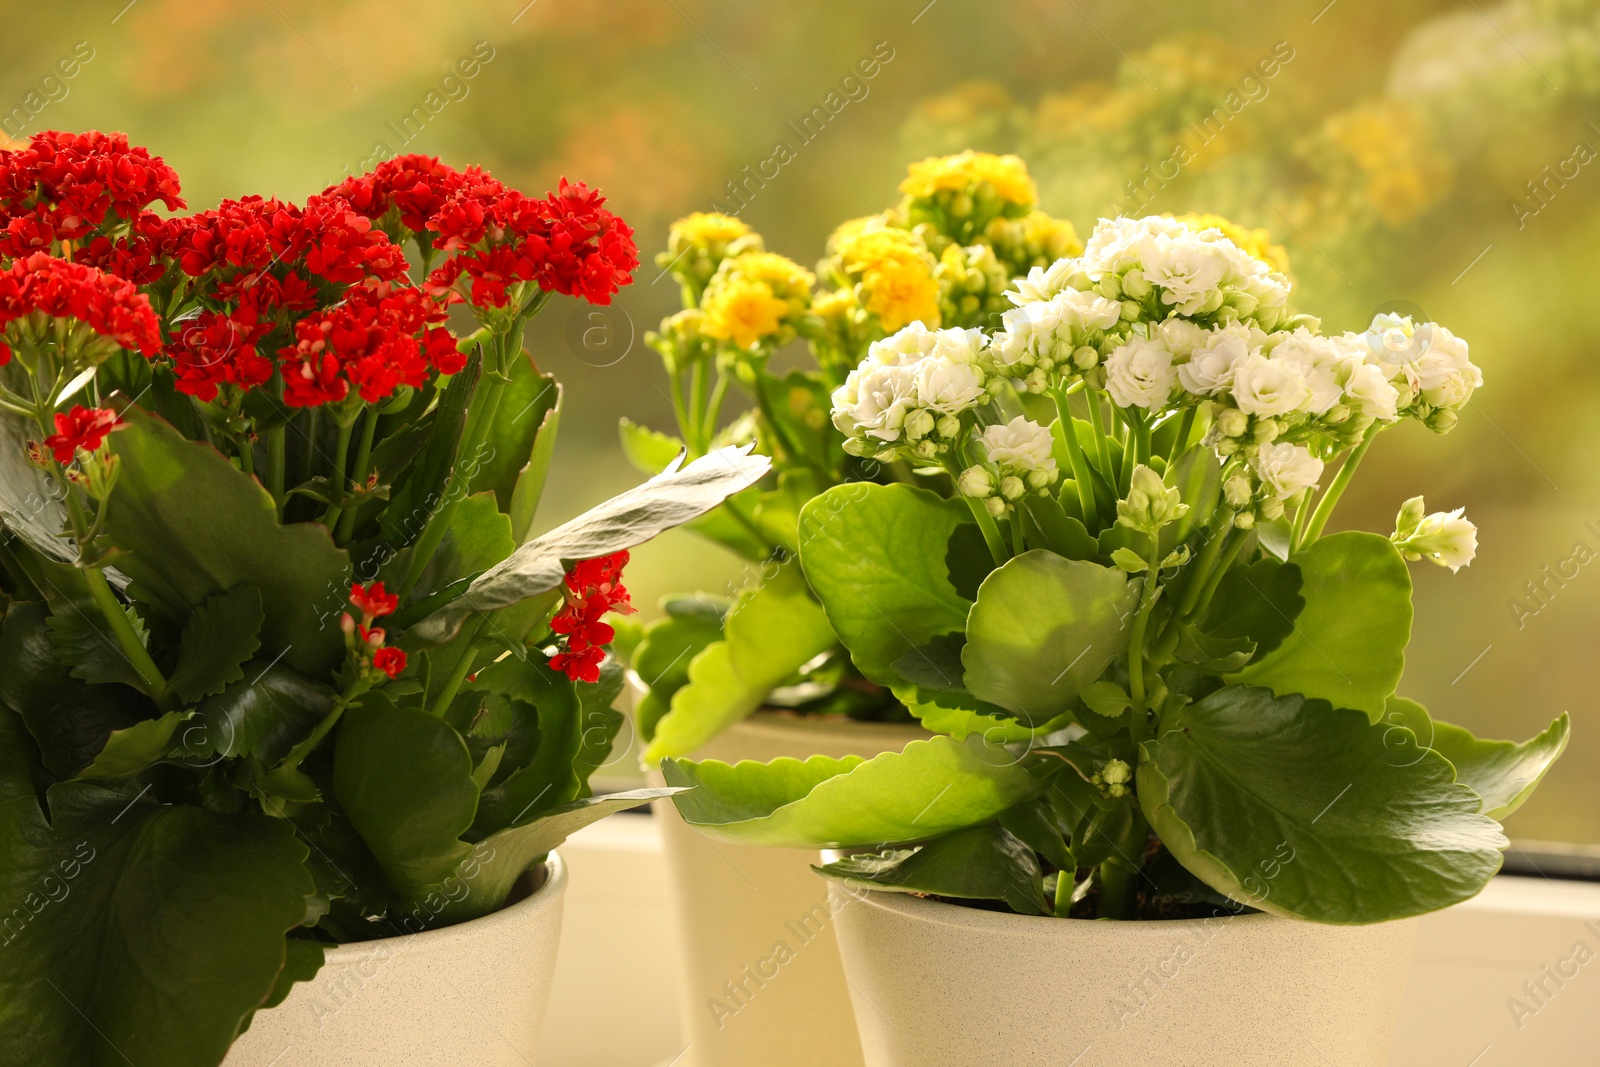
(1016, 459)
(1041, 335)
(908, 394)
(1444, 537)
(1427, 364)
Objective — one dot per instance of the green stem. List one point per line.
(1080, 463)
(291, 761)
(247, 456)
(697, 397)
(275, 461)
(369, 428)
(1335, 490)
(991, 531)
(447, 695)
(1102, 440)
(1235, 546)
(685, 430)
(336, 480)
(1201, 570)
(1302, 515)
(1119, 885)
(138, 656)
(1185, 426)
(714, 408)
(1141, 623)
(1063, 901)
(308, 461)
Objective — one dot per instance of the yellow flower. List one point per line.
(1257, 242)
(968, 171)
(1382, 154)
(705, 229)
(1035, 240)
(697, 245)
(893, 270)
(756, 298)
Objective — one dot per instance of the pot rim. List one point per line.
(942, 913)
(542, 899)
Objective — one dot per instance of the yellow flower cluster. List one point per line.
(891, 268)
(1256, 241)
(756, 298)
(967, 173)
(1036, 239)
(698, 243)
(1400, 172)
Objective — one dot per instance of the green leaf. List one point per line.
(70, 720)
(193, 526)
(651, 451)
(530, 483)
(980, 863)
(219, 638)
(404, 778)
(524, 402)
(772, 631)
(263, 714)
(137, 932)
(1314, 812)
(1198, 478)
(130, 751)
(421, 492)
(1348, 644)
(777, 511)
(662, 660)
(501, 858)
(960, 714)
(1043, 628)
(478, 537)
(552, 777)
(1258, 602)
(302, 960)
(31, 505)
(875, 555)
(85, 644)
(1062, 533)
(626, 520)
(929, 789)
(1213, 655)
(801, 406)
(1503, 773)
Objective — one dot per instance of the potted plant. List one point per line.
(1162, 691)
(760, 673)
(292, 711)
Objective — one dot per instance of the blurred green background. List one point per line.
(1426, 156)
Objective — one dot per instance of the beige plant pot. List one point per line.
(469, 994)
(760, 979)
(939, 985)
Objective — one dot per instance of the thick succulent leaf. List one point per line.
(1198, 478)
(960, 714)
(30, 504)
(404, 778)
(524, 402)
(530, 482)
(219, 638)
(1503, 773)
(875, 555)
(137, 932)
(1348, 644)
(769, 635)
(1258, 603)
(1043, 628)
(497, 861)
(422, 491)
(133, 749)
(264, 714)
(70, 720)
(194, 526)
(552, 777)
(929, 789)
(661, 662)
(1314, 812)
(979, 863)
(651, 451)
(628, 519)
(1062, 534)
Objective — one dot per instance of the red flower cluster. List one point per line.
(370, 342)
(82, 427)
(567, 242)
(65, 186)
(110, 306)
(374, 601)
(265, 261)
(594, 587)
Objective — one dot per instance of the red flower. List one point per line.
(594, 588)
(110, 306)
(82, 427)
(371, 342)
(390, 661)
(373, 600)
(67, 186)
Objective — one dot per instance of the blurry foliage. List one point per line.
(1389, 156)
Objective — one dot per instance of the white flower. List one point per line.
(1433, 361)
(1211, 363)
(957, 346)
(1181, 337)
(1115, 243)
(874, 400)
(1446, 538)
(1140, 374)
(1188, 270)
(1051, 329)
(1019, 445)
(905, 346)
(975, 481)
(1269, 387)
(1286, 469)
(1318, 359)
(945, 386)
(1365, 385)
(1042, 283)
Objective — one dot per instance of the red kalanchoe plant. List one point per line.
(82, 427)
(74, 186)
(40, 287)
(593, 588)
(373, 601)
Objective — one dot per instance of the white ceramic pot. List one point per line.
(760, 982)
(474, 994)
(939, 985)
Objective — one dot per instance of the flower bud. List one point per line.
(1445, 538)
(1085, 357)
(1267, 431)
(995, 506)
(1337, 414)
(919, 424)
(1111, 287)
(925, 449)
(1039, 478)
(948, 425)
(1237, 491)
(1441, 421)
(975, 481)
(1271, 508)
(1131, 310)
(1244, 520)
(1012, 487)
(1134, 285)
(1150, 504)
(1231, 422)
(1116, 772)
(1410, 516)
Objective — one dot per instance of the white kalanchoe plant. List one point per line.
(1157, 670)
